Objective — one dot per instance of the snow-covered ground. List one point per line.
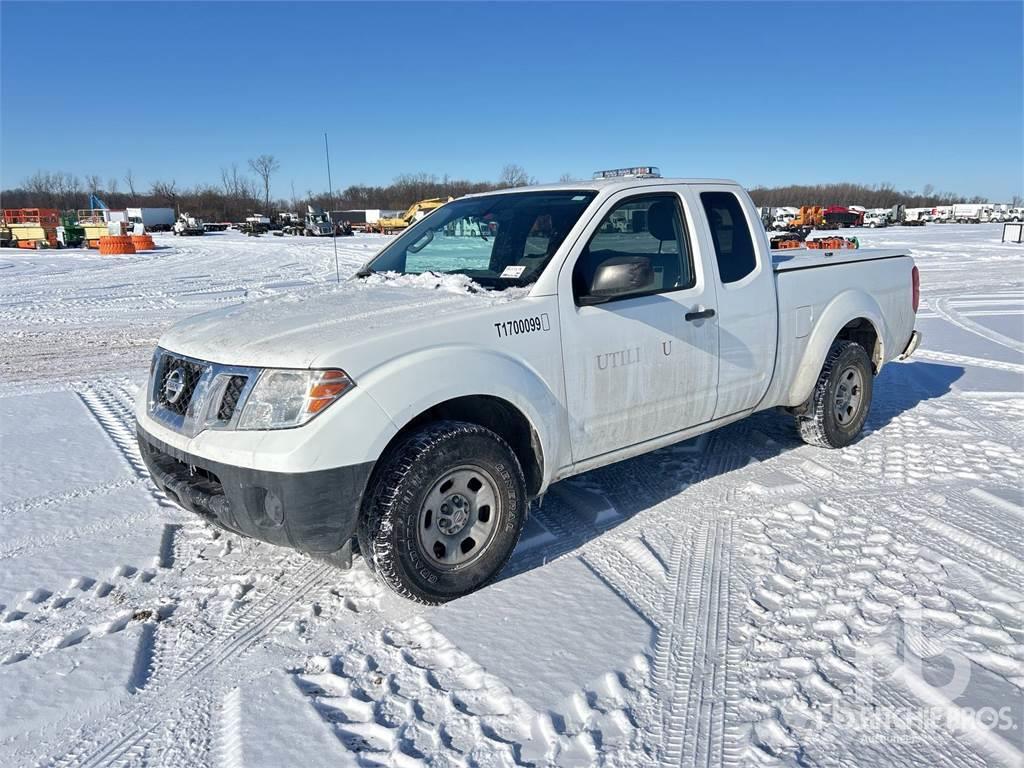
(737, 599)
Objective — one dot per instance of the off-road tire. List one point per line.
(819, 425)
(387, 531)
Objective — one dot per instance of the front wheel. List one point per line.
(841, 399)
(446, 512)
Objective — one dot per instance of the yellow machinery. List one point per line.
(31, 227)
(415, 212)
(95, 224)
(809, 216)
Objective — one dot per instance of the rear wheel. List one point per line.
(841, 399)
(446, 512)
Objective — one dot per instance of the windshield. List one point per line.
(499, 240)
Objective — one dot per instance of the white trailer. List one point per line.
(153, 219)
(969, 213)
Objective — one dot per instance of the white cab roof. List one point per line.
(609, 185)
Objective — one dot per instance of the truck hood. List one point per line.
(294, 330)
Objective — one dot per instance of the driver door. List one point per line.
(644, 363)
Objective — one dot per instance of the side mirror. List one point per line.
(619, 276)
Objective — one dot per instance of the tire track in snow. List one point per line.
(162, 664)
(74, 494)
(57, 620)
(690, 654)
(117, 420)
(625, 568)
(946, 357)
(995, 562)
(943, 307)
(571, 526)
(128, 729)
(230, 747)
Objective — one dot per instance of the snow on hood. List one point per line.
(292, 330)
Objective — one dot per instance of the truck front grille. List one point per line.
(232, 392)
(190, 395)
(177, 379)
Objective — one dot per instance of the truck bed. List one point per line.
(808, 258)
(814, 304)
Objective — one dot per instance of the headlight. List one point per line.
(290, 398)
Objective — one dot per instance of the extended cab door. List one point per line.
(640, 363)
(747, 316)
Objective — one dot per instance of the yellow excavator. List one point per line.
(415, 212)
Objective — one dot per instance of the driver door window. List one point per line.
(648, 227)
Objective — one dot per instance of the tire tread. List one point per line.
(811, 424)
(375, 525)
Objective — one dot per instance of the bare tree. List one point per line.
(68, 189)
(40, 185)
(264, 166)
(229, 180)
(93, 183)
(166, 191)
(565, 178)
(513, 175)
(129, 179)
(112, 185)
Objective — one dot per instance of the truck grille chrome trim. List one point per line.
(189, 395)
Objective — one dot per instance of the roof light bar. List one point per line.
(638, 172)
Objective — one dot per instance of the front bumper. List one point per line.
(314, 512)
(912, 345)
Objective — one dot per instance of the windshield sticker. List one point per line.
(512, 271)
(528, 325)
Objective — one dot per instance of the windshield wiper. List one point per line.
(364, 272)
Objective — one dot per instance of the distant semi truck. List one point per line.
(154, 219)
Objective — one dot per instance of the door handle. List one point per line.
(700, 314)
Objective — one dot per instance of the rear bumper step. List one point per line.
(912, 345)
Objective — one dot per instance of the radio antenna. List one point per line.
(330, 195)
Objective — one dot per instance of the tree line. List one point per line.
(239, 193)
(242, 192)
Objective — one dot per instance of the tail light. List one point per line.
(915, 279)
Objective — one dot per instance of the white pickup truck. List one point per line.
(507, 341)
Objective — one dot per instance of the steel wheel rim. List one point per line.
(458, 517)
(849, 395)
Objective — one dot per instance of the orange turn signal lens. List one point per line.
(328, 390)
(315, 406)
(329, 387)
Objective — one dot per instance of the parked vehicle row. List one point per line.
(809, 217)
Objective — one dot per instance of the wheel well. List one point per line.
(497, 415)
(862, 331)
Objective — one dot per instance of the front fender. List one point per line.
(407, 386)
(847, 306)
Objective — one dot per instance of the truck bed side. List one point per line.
(821, 293)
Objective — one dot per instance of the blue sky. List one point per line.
(766, 93)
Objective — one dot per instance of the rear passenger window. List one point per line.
(734, 247)
(649, 227)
